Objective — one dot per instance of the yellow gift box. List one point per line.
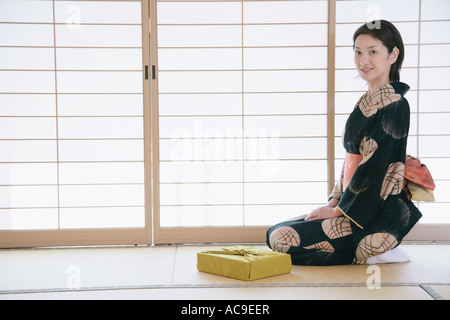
(244, 263)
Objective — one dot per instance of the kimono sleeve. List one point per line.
(337, 190)
(380, 173)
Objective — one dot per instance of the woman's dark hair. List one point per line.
(388, 34)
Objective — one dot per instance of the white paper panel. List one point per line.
(117, 12)
(432, 32)
(264, 215)
(285, 81)
(434, 123)
(101, 195)
(285, 193)
(200, 149)
(27, 81)
(231, 149)
(201, 194)
(285, 103)
(438, 167)
(100, 127)
(200, 127)
(434, 101)
(200, 104)
(199, 12)
(285, 126)
(285, 58)
(26, 11)
(27, 128)
(28, 196)
(411, 148)
(435, 78)
(99, 59)
(442, 190)
(345, 101)
(26, 34)
(200, 82)
(200, 59)
(99, 36)
(27, 105)
(339, 124)
(360, 11)
(434, 146)
(106, 172)
(27, 58)
(339, 150)
(102, 218)
(349, 80)
(28, 151)
(435, 55)
(285, 11)
(28, 219)
(413, 124)
(101, 150)
(435, 10)
(409, 76)
(284, 170)
(192, 216)
(99, 82)
(100, 105)
(201, 171)
(200, 36)
(338, 163)
(285, 35)
(435, 212)
(28, 173)
(285, 148)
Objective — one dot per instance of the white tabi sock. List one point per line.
(392, 256)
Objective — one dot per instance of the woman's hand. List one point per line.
(324, 213)
(333, 203)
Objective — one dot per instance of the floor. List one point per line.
(169, 272)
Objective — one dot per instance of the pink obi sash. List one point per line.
(351, 163)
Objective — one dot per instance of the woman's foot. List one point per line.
(392, 256)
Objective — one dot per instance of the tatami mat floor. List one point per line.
(169, 272)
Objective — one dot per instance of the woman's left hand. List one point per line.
(324, 213)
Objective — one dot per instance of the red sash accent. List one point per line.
(351, 163)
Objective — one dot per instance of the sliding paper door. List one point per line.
(72, 97)
(242, 116)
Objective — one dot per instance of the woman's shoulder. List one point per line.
(385, 95)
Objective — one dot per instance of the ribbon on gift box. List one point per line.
(250, 253)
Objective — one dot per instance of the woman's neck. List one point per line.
(373, 87)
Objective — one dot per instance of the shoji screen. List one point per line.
(425, 70)
(71, 118)
(242, 115)
(433, 104)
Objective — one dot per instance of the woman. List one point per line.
(368, 213)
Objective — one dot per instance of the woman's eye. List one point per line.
(357, 52)
(372, 52)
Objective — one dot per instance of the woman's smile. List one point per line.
(366, 70)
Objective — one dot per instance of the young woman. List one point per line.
(368, 213)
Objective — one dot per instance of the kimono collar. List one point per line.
(400, 88)
(381, 97)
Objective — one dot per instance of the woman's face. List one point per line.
(373, 60)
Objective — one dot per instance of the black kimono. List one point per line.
(376, 214)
